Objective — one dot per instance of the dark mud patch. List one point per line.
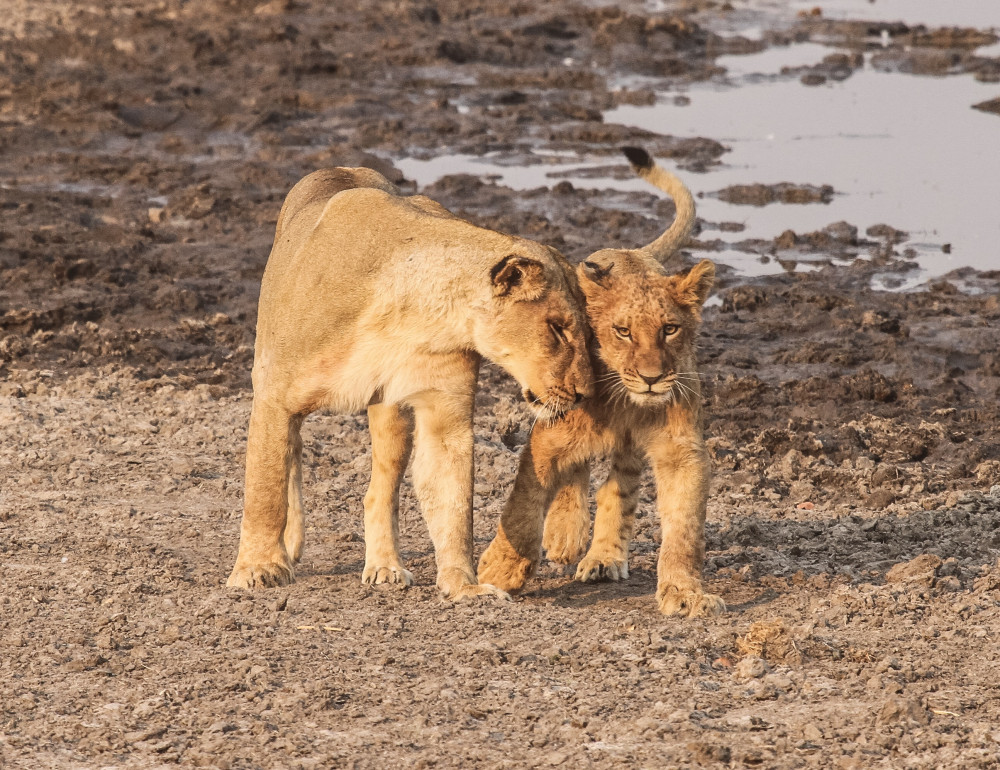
(785, 192)
(993, 106)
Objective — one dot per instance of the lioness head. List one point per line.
(534, 327)
(645, 322)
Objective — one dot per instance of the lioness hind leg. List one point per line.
(391, 431)
(607, 558)
(567, 523)
(442, 476)
(294, 534)
(263, 560)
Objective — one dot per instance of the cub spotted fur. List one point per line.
(647, 409)
(379, 302)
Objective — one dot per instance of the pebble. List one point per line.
(750, 667)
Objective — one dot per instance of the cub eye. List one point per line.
(624, 332)
(559, 332)
(669, 330)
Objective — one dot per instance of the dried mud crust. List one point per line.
(145, 150)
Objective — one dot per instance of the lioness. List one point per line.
(372, 300)
(648, 402)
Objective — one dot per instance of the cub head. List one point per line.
(645, 323)
(535, 328)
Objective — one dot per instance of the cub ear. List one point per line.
(518, 278)
(694, 287)
(594, 272)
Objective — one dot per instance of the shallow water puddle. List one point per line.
(932, 172)
(907, 151)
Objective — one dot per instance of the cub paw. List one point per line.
(373, 575)
(266, 575)
(688, 603)
(500, 565)
(595, 568)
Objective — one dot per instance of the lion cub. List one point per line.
(379, 302)
(647, 408)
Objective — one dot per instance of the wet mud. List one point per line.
(145, 149)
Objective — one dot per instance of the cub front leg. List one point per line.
(617, 498)
(513, 555)
(391, 429)
(682, 475)
(274, 456)
(555, 455)
(443, 477)
(567, 523)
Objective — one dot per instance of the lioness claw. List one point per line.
(689, 604)
(380, 575)
(261, 576)
(591, 570)
(478, 589)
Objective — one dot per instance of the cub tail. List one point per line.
(675, 236)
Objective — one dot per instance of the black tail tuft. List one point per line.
(638, 157)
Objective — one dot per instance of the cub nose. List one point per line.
(651, 380)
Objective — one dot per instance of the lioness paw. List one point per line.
(688, 603)
(477, 589)
(595, 568)
(267, 575)
(373, 575)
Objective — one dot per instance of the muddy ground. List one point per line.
(145, 148)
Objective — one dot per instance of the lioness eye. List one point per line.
(669, 330)
(624, 332)
(558, 331)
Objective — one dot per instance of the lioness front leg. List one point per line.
(442, 476)
(273, 461)
(567, 522)
(617, 498)
(681, 471)
(391, 429)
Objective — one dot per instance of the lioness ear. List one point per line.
(519, 278)
(695, 286)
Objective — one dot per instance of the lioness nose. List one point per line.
(578, 397)
(651, 380)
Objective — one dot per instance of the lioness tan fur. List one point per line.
(372, 300)
(647, 407)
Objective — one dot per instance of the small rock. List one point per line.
(921, 570)
(751, 667)
(706, 752)
(148, 117)
(899, 709)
